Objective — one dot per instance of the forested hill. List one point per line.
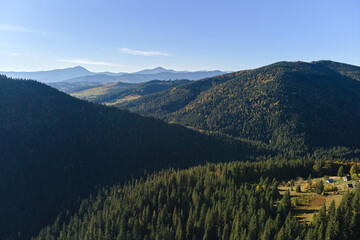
(116, 92)
(287, 104)
(212, 202)
(55, 149)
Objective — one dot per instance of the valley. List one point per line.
(202, 152)
(179, 120)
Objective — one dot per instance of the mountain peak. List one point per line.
(79, 67)
(155, 70)
(160, 68)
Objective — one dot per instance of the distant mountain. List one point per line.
(84, 82)
(80, 74)
(101, 78)
(111, 73)
(70, 87)
(168, 75)
(56, 149)
(286, 104)
(119, 92)
(155, 71)
(52, 75)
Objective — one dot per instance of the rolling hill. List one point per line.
(287, 104)
(74, 86)
(119, 92)
(56, 149)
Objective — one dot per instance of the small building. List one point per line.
(347, 178)
(349, 185)
(330, 180)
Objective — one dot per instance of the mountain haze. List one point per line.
(51, 75)
(155, 70)
(168, 75)
(79, 74)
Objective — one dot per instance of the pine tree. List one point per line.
(320, 187)
(189, 225)
(341, 171)
(285, 204)
(225, 233)
(253, 228)
(179, 232)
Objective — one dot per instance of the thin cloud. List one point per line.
(143, 53)
(12, 28)
(89, 62)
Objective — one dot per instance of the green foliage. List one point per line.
(297, 106)
(341, 171)
(319, 187)
(56, 150)
(298, 188)
(197, 204)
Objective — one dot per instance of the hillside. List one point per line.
(287, 104)
(218, 201)
(74, 86)
(120, 92)
(56, 149)
(101, 78)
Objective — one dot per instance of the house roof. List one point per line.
(347, 177)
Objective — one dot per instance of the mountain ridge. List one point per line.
(273, 104)
(50, 75)
(79, 73)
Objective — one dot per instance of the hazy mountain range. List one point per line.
(78, 78)
(56, 75)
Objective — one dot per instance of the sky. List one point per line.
(131, 35)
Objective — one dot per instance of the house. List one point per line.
(347, 178)
(330, 180)
(349, 185)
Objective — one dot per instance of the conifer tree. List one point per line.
(341, 171)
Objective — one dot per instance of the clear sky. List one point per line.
(130, 35)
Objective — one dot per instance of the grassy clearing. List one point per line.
(310, 202)
(121, 100)
(92, 93)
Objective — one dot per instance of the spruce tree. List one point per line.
(341, 171)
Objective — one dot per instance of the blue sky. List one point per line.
(130, 35)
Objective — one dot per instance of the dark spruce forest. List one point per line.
(206, 159)
(57, 149)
